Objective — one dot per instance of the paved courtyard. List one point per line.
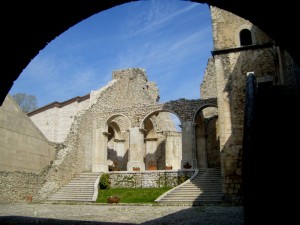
(107, 214)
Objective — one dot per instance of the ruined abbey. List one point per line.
(123, 127)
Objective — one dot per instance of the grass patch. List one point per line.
(132, 195)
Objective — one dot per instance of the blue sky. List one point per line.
(170, 39)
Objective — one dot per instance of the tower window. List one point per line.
(245, 37)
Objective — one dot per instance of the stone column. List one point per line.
(99, 156)
(188, 145)
(151, 148)
(136, 149)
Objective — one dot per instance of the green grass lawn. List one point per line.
(132, 195)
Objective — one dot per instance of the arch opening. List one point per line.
(207, 138)
(245, 37)
(117, 143)
(162, 141)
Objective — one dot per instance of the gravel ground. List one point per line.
(107, 214)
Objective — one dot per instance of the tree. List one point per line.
(27, 103)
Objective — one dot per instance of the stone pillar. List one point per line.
(188, 145)
(99, 156)
(223, 104)
(136, 149)
(201, 151)
(151, 148)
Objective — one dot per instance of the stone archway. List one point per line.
(207, 138)
(163, 142)
(117, 154)
(110, 145)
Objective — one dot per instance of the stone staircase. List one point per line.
(204, 187)
(83, 187)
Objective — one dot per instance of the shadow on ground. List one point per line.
(192, 216)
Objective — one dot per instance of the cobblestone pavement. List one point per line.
(107, 214)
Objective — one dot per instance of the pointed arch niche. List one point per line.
(163, 141)
(207, 138)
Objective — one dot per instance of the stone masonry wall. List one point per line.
(149, 179)
(231, 68)
(16, 186)
(76, 153)
(226, 28)
(208, 86)
(127, 96)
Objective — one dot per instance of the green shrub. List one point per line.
(182, 178)
(104, 181)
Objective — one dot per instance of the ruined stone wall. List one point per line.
(213, 143)
(231, 67)
(73, 157)
(129, 88)
(226, 28)
(173, 149)
(149, 179)
(291, 76)
(129, 98)
(208, 86)
(55, 122)
(164, 122)
(16, 186)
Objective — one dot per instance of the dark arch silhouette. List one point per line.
(29, 25)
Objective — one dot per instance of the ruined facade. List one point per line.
(240, 48)
(123, 126)
(161, 145)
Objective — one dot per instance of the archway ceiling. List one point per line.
(27, 26)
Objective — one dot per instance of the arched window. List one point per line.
(245, 37)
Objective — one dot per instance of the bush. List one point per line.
(104, 181)
(182, 178)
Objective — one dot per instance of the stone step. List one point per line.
(204, 188)
(80, 188)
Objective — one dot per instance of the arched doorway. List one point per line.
(163, 141)
(117, 143)
(207, 138)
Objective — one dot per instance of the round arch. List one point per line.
(201, 108)
(114, 116)
(158, 111)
